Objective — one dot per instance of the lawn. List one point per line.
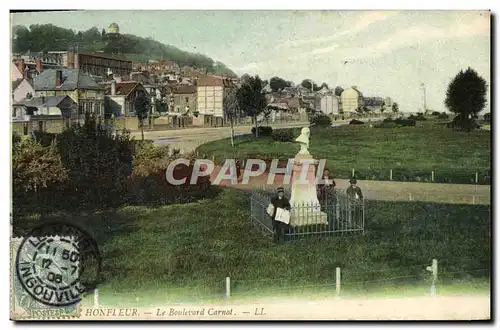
(411, 152)
(180, 253)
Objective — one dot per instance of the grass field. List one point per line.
(411, 152)
(184, 252)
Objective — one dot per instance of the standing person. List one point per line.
(327, 196)
(282, 202)
(326, 186)
(354, 201)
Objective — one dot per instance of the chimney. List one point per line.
(113, 88)
(38, 65)
(58, 78)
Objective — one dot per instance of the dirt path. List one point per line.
(389, 190)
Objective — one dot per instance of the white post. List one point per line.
(390, 176)
(434, 276)
(409, 196)
(353, 172)
(473, 200)
(213, 158)
(337, 281)
(96, 298)
(477, 177)
(228, 287)
(432, 176)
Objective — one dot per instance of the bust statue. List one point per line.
(303, 139)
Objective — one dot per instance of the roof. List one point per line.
(71, 79)
(48, 101)
(122, 88)
(182, 89)
(213, 81)
(16, 83)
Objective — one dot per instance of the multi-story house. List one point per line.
(79, 86)
(182, 99)
(351, 99)
(121, 97)
(211, 94)
(373, 103)
(330, 105)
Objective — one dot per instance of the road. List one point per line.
(387, 190)
(188, 139)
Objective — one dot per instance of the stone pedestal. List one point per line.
(306, 209)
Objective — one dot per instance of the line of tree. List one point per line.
(306, 83)
(48, 37)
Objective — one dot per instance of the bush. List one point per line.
(320, 120)
(285, 134)
(405, 122)
(419, 117)
(435, 113)
(263, 131)
(443, 115)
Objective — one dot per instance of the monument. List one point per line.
(306, 209)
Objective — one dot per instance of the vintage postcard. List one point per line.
(251, 165)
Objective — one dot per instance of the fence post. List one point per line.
(390, 176)
(353, 172)
(409, 196)
(96, 298)
(337, 281)
(228, 287)
(434, 270)
(477, 177)
(213, 158)
(432, 176)
(473, 200)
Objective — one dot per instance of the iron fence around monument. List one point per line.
(337, 215)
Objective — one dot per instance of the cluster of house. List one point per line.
(349, 102)
(53, 90)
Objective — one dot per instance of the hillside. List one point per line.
(47, 37)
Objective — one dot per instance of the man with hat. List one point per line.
(355, 201)
(282, 202)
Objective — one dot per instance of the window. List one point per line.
(186, 99)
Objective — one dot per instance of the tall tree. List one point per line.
(338, 90)
(277, 84)
(308, 83)
(395, 107)
(231, 109)
(252, 99)
(466, 97)
(324, 85)
(142, 105)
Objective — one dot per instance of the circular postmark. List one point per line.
(57, 262)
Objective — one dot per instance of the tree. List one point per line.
(231, 109)
(103, 33)
(308, 83)
(338, 90)
(382, 107)
(142, 105)
(34, 169)
(395, 107)
(252, 99)
(277, 84)
(324, 85)
(466, 97)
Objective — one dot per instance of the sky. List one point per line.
(384, 53)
